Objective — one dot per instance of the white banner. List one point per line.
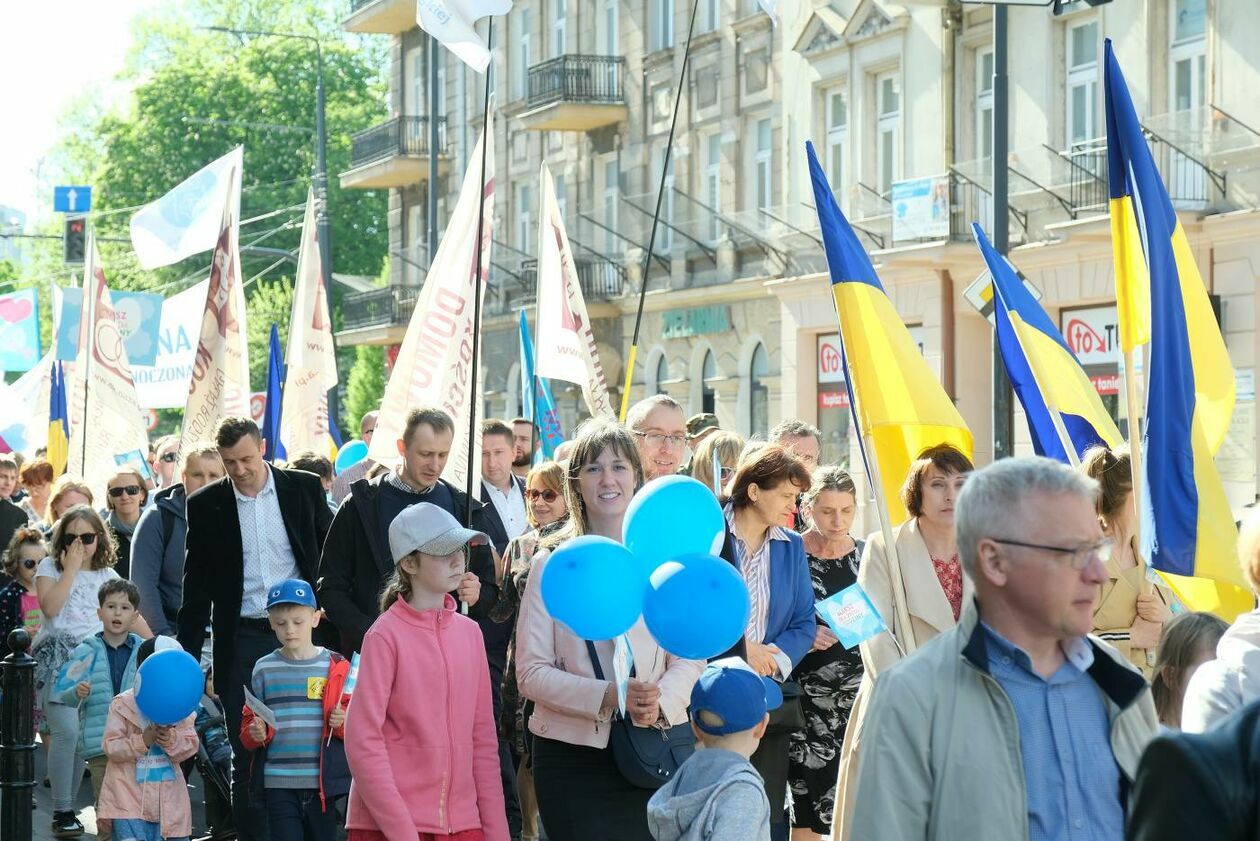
(310, 362)
(434, 366)
(106, 430)
(219, 384)
(164, 384)
(186, 220)
(566, 345)
(24, 408)
(451, 22)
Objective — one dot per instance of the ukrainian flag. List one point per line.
(897, 400)
(1187, 527)
(1062, 406)
(58, 422)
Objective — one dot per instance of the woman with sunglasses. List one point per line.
(728, 446)
(125, 498)
(68, 583)
(547, 513)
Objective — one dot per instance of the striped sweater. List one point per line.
(294, 690)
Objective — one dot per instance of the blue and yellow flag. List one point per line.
(1187, 527)
(898, 401)
(536, 400)
(58, 422)
(1046, 375)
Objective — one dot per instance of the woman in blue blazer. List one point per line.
(771, 558)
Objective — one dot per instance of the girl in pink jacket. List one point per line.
(420, 731)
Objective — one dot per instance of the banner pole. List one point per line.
(1135, 464)
(656, 217)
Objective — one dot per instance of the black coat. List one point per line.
(1200, 785)
(356, 561)
(214, 562)
(12, 518)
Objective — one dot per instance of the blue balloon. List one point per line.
(672, 517)
(169, 685)
(594, 586)
(350, 454)
(696, 606)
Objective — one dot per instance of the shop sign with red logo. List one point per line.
(833, 400)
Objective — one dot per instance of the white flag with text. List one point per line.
(106, 430)
(186, 220)
(451, 22)
(434, 366)
(566, 344)
(219, 386)
(310, 363)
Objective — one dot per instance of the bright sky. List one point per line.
(50, 53)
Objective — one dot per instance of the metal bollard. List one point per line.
(17, 739)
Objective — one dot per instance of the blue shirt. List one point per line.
(1070, 772)
(118, 659)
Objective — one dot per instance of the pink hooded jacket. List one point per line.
(420, 730)
(164, 803)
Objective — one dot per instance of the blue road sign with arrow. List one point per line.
(72, 199)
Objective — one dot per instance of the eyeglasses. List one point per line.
(1079, 556)
(129, 490)
(169, 458)
(657, 439)
(86, 539)
(547, 495)
(726, 473)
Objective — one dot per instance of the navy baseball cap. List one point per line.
(732, 691)
(291, 591)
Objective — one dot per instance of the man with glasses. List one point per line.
(343, 481)
(1015, 723)
(660, 431)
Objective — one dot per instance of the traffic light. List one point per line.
(75, 241)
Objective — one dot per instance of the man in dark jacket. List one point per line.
(356, 559)
(157, 548)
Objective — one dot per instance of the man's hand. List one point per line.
(469, 589)
(258, 730)
(1152, 608)
(1145, 634)
(83, 689)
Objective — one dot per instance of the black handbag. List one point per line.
(789, 716)
(648, 757)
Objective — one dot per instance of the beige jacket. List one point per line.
(942, 757)
(930, 614)
(553, 669)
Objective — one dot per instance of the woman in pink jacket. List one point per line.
(581, 794)
(420, 730)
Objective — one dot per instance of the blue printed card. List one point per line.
(851, 616)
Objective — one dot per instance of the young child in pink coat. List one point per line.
(157, 808)
(420, 730)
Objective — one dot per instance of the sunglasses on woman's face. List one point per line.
(547, 495)
(129, 490)
(86, 539)
(169, 458)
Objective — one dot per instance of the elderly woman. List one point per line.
(126, 496)
(830, 674)
(931, 583)
(727, 446)
(1125, 616)
(781, 626)
(581, 793)
(36, 477)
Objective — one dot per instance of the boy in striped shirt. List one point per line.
(301, 759)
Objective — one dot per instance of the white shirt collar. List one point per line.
(268, 488)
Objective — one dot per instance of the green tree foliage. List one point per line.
(271, 303)
(366, 386)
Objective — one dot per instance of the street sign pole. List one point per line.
(1003, 402)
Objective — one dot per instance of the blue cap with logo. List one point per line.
(730, 690)
(291, 591)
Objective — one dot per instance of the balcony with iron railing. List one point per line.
(380, 17)
(574, 93)
(378, 309)
(394, 153)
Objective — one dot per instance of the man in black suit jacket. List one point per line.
(259, 526)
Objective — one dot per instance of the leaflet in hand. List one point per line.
(78, 668)
(851, 615)
(258, 708)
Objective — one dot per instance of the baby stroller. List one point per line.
(213, 762)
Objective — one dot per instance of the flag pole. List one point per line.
(486, 128)
(1135, 465)
(535, 429)
(656, 217)
(88, 337)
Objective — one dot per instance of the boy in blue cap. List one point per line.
(300, 768)
(717, 794)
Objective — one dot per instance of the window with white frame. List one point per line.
(661, 375)
(713, 182)
(415, 242)
(418, 91)
(662, 26)
(1188, 53)
(559, 15)
(984, 103)
(664, 233)
(523, 56)
(609, 34)
(759, 395)
(711, 16)
(763, 164)
(611, 193)
(1082, 82)
(887, 130)
(837, 136)
(525, 219)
